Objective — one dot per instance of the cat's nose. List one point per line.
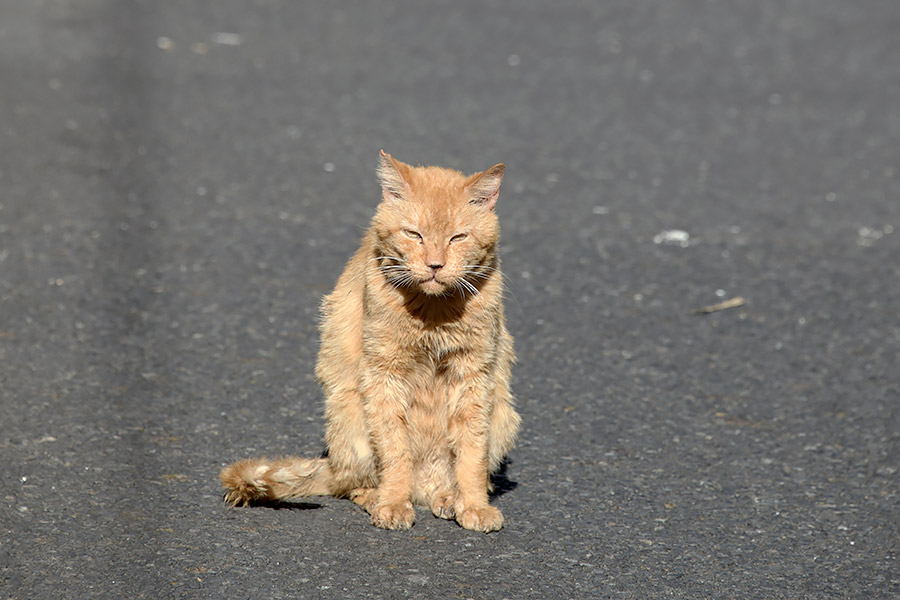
(435, 267)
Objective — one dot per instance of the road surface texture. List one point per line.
(181, 182)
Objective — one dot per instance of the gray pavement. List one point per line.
(175, 201)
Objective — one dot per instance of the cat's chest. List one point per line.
(427, 344)
(438, 342)
(404, 334)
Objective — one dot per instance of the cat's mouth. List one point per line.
(432, 285)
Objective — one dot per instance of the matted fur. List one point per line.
(414, 361)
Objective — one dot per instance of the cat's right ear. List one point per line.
(484, 187)
(390, 172)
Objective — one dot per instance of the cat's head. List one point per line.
(436, 227)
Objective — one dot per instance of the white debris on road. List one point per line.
(165, 44)
(869, 235)
(673, 237)
(227, 39)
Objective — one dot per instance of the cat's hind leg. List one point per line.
(350, 453)
(503, 427)
(365, 497)
(436, 484)
(435, 488)
(443, 504)
(504, 420)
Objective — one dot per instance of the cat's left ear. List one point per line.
(484, 187)
(391, 172)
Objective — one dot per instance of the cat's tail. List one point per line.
(260, 480)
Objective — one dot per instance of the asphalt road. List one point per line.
(181, 182)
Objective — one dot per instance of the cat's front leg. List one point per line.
(469, 430)
(385, 405)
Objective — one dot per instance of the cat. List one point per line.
(415, 362)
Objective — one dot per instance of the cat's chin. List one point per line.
(432, 287)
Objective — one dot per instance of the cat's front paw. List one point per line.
(485, 518)
(394, 516)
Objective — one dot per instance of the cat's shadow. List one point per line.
(287, 505)
(501, 481)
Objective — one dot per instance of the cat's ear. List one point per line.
(391, 173)
(484, 187)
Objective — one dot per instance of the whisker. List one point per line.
(467, 285)
(485, 272)
(476, 294)
(374, 269)
(383, 256)
(388, 270)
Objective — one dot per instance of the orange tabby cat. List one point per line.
(414, 362)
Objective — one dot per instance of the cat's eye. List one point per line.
(413, 234)
(459, 237)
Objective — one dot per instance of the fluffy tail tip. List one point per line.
(245, 482)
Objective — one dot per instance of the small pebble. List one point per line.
(672, 237)
(227, 39)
